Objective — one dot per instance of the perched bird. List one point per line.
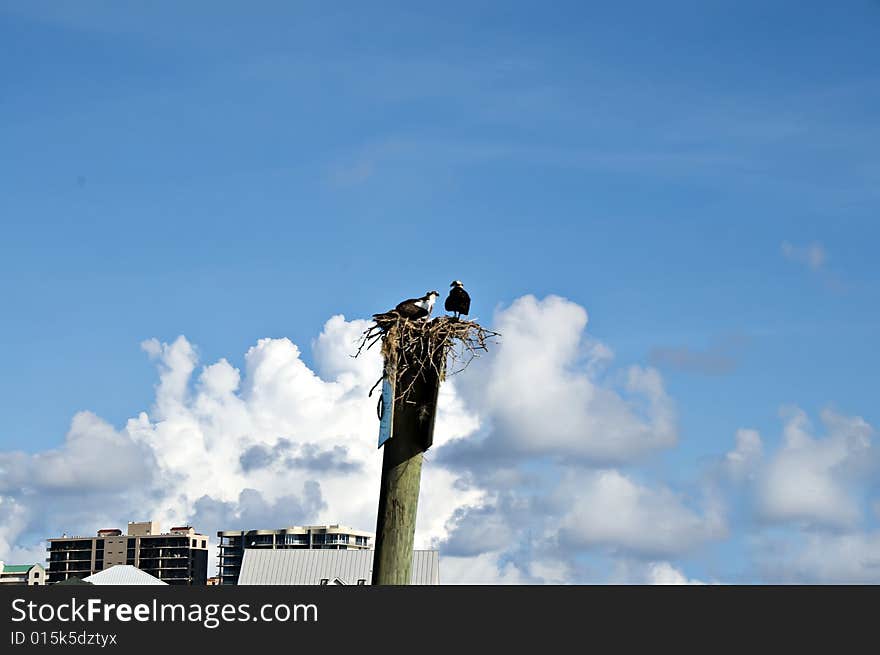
(412, 308)
(458, 301)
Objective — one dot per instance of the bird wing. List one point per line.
(407, 304)
(458, 301)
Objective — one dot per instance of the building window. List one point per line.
(362, 581)
(204, 543)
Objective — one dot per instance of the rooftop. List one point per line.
(123, 574)
(310, 567)
(16, 568)
(293, 529)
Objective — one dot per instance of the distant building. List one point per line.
(123, 574)
(234, 543)
(178, 557)
(22, 574)
(327, 567)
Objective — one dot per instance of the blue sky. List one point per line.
(230, 174)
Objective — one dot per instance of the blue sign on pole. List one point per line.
(386, 421)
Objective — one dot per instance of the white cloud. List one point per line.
(809, 480)
(743, 459)
(280, 443)
(540, 391)
(93, 457)
(663, 573)
(642, 572)
(182, 461)
(13, 520)
(483, 569)
(507, 491)
(822, 559)
(611, 511)
(497, 567)
(550, 406)
(811, 494)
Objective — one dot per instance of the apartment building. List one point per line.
(178, 557)
(28, 575)
(233, 544)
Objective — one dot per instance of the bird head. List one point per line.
(432, 293)
(456, 283)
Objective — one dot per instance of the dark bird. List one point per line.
(413, 308)
(458, 301)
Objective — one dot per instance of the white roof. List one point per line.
(123, 574)
(263, 566)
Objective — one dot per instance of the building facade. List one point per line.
(234, 543)
(22, 574)
(178, 557)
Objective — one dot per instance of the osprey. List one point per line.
(412, 308)
(458, 301)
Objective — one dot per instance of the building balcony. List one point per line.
(64, 549)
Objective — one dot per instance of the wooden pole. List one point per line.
(413, 430)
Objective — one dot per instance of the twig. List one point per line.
(413, 348)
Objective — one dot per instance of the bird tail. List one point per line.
(386, 316)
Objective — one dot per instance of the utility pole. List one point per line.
(415, 406)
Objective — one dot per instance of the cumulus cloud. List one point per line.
(610, 510)
(527, 478)
(817, 558)
(816, 482)
(811, 480)
(811, 495)
(269, 446)
(551, 408)
(277, 442)
(649, 572)
(298, 456)
(542, 394)
(251, 509)
(482, 569)
(94, 457)
(742, 461)
(663, 573)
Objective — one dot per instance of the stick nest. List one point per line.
(414, 349)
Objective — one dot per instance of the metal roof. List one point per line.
(17, 568)
(123, 574)
(264, 566)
